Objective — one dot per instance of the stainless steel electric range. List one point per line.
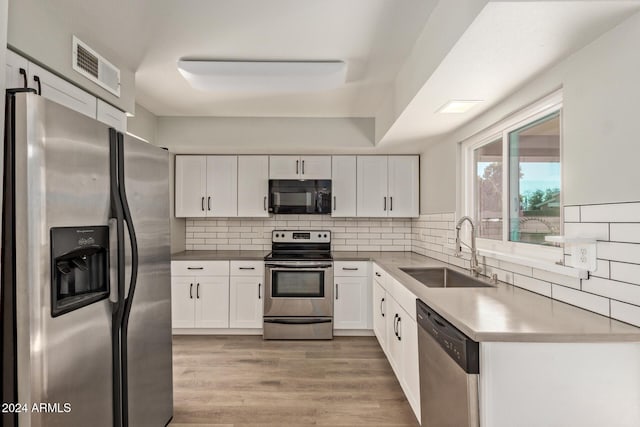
(298, 303)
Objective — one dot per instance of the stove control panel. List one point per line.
(301, 236)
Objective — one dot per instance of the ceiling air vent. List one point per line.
(94, 67)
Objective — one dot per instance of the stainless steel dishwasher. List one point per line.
(449, 368)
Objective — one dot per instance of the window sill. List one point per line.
(532, 262)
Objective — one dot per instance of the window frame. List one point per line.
(500, 131)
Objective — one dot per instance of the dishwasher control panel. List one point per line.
(462, 349)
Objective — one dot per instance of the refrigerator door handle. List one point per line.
(118, 306)
(113, 260)
(128, 301)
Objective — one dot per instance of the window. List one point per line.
(512, 181)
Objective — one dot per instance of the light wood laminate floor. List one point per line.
(243, 381)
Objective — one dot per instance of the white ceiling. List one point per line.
(372, 36)
(508, 43)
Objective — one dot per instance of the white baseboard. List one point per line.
(353, 333)
(216, 331)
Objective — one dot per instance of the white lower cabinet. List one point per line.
(379, 313)
(212, 302)
(397, 332)
(245, 302)
(182, 302)
(217, 295)
(350, 305)
(200, 301)
(351, 296)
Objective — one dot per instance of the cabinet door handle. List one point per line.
(246, 268)
(303, 167)
(336, 291)
(259, 290)
(209, 202)
(198, 291)
(191, 291)
(297, 169)
(202, 204)
(378, 274)
(264, 203)
(381, 303)
(395, 324)
(195, 268)
(23, 73)
(391, 203)
(385, 203)
(398, 333)
(334, 203)
(37, 80)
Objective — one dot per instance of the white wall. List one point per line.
(40, 33)
(143, 125)
(447, 22)
(246, 135)
(600, 128)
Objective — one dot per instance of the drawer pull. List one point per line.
(247, 268)
(378, 274)
(195, 268)
(350, 268)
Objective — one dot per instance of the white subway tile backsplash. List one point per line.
(620, 291)
(625, 272)
(602, 269)
(614, 212)
(626, 233)
(584, 300)
(614, 251)
(597, 231)
(625, 312)
(572, 214)
(533, 285)
(349, 234)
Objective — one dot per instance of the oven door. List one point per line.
(299, 289)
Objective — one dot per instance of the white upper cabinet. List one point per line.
(343, 186)
(206, 186)
(388, 186)
(300, 167)
(111, 116)
(20, 73)
(404, 186)
(191, 186)
(58, 90)
(222, 186)
(284, 167)
(253, 186)
(315, 167)
(372, 186)
(16, 71)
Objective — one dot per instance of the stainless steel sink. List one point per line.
(441, 277)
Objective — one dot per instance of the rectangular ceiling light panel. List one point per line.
(263, 76)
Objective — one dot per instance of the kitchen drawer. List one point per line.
(247, 268)
(199, 268)
(350, 268)
(379, 275)
(403, 296)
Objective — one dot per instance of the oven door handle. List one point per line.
(306, 267)
(297, 321)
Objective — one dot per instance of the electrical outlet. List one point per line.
(583, 256)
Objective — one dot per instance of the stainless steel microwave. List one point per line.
(293, 196)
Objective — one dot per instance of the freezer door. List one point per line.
(149, 383)
(61, 180)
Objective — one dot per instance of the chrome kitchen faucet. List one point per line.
(474, 268)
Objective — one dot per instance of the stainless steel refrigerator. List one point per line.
(86, 309)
